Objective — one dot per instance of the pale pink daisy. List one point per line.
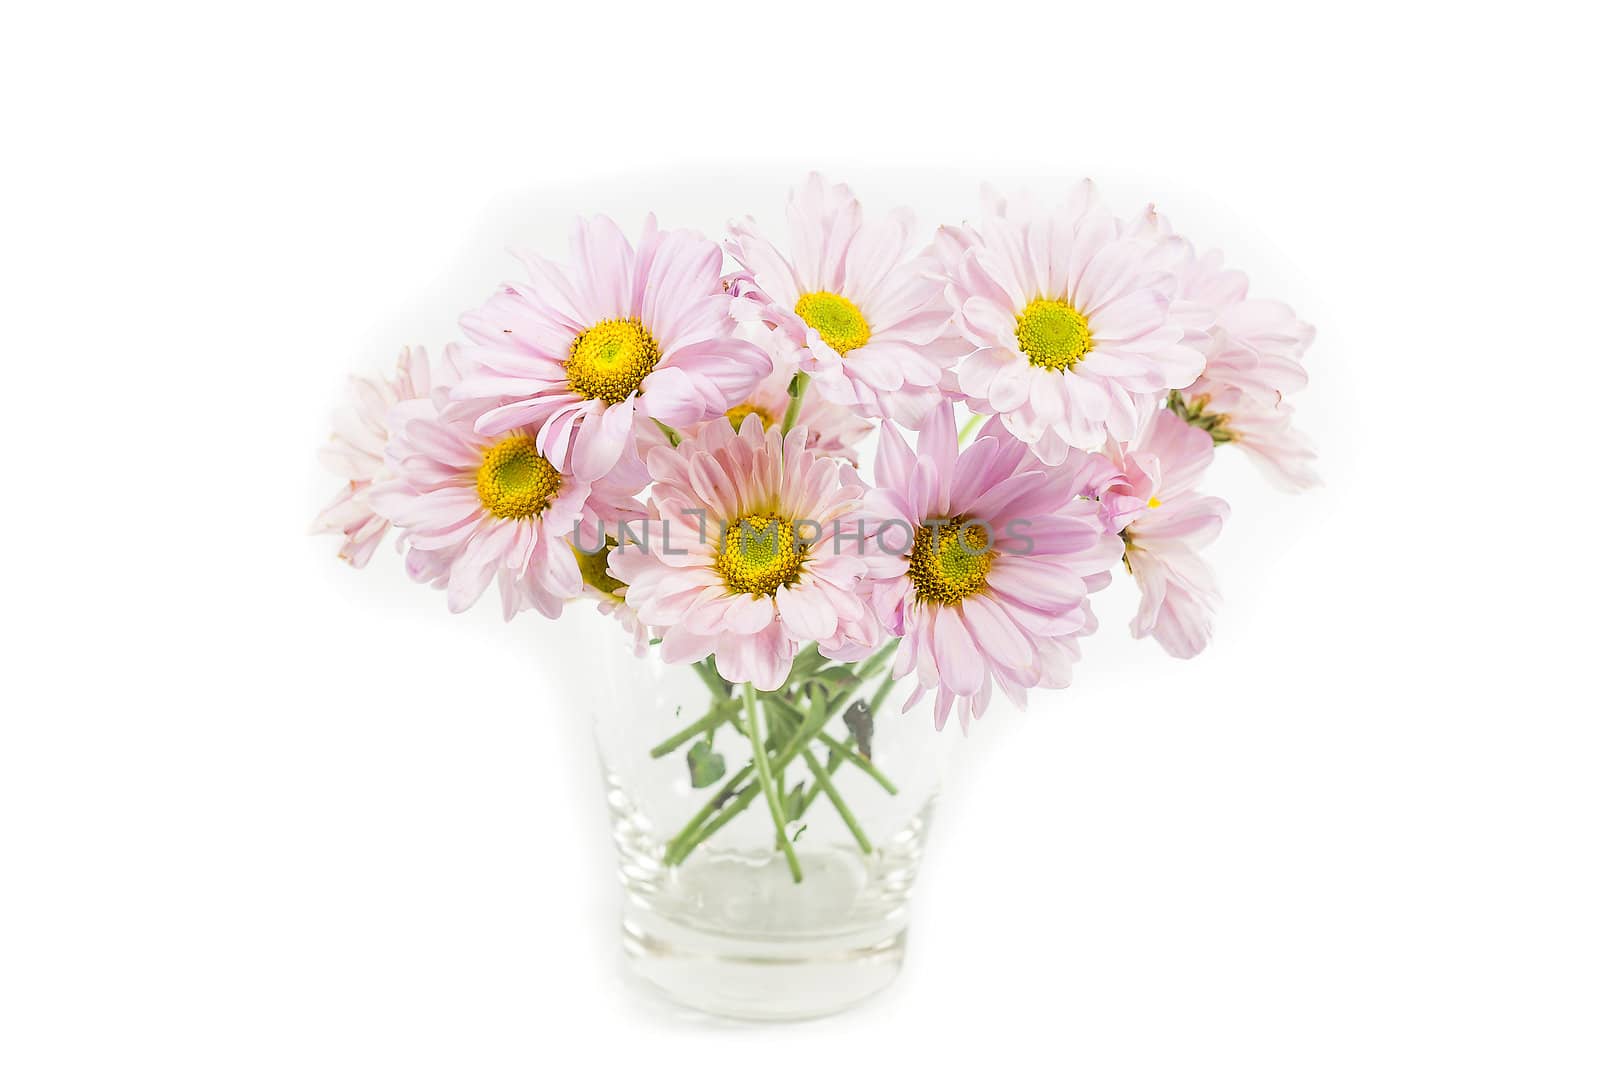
(743, 561)
(832, 430)
(1253, 344)
(983, 560)
(609, 594)
(1254, 357)
(1074, 326)
(613, 603)
(1262, 428)
(476, 508)
(579, 357)
(1165, 521)
(594, 542)
(860, 313)
(355, 450)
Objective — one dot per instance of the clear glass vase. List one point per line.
(719, 912)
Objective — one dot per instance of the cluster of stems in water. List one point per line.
(783, 727)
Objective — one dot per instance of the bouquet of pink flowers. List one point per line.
(669, 428)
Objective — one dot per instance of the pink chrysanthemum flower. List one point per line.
(593, 544)
(475, 508)
(750, 568)
(1252, 344)
(861, 315)
(609, 595)
(1164, 523)
(355, 451)
(1263, 429)
(984, 561)
(1070, 322)
(614, 604)
(580, 356)
(832, 430)
(1254, 358)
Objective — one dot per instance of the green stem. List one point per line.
(734, 796)
(720, 705)
(834, 760)
(706, 670)
(867, 670)
(758, 752)
(826, 783)
(797, 394)
(684, 735)
(704, 825)
(966, 430)
(689, 836)
(879, 696)
(838, 748)
(854, 758)
(727, 805)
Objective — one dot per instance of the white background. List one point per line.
(257, 807)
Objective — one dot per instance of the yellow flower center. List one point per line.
(610, 358)
(1154, 502)
(738, 414)
(954, 563)
(836, 319)
(759, 555)
(515, 481)
(593, 568)
(1052, 334)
